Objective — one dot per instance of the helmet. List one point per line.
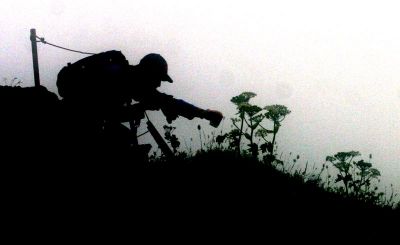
(157, 65)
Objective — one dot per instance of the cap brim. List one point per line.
(167, 78)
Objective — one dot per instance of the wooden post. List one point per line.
(35, 58)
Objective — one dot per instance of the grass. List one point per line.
(220, 182)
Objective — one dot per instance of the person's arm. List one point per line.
(172, 108)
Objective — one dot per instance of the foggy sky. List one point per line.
(334, 65)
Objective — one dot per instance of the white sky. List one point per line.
(334, 64)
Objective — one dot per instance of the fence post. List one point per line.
(35, 58)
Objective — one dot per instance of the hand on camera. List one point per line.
(215, 117)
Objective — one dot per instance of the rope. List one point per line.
(41, 39)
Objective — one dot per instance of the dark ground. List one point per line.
(48, 185)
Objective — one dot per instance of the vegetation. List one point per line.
(240, 173)
(11, 82)
(251, 143)
(250, 123)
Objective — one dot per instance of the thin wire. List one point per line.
(41, 39)
(143, 134)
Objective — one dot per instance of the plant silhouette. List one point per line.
(356, 176)
(249, 123)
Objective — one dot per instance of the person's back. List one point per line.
(94, 81)
(92, 89)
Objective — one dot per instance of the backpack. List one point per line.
(90, 75)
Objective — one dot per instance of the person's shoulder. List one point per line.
(113, 56)
(162, 97)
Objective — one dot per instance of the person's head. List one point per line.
(155, 70)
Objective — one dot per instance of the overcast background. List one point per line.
(334, 64)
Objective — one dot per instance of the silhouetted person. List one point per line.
(102, 91)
